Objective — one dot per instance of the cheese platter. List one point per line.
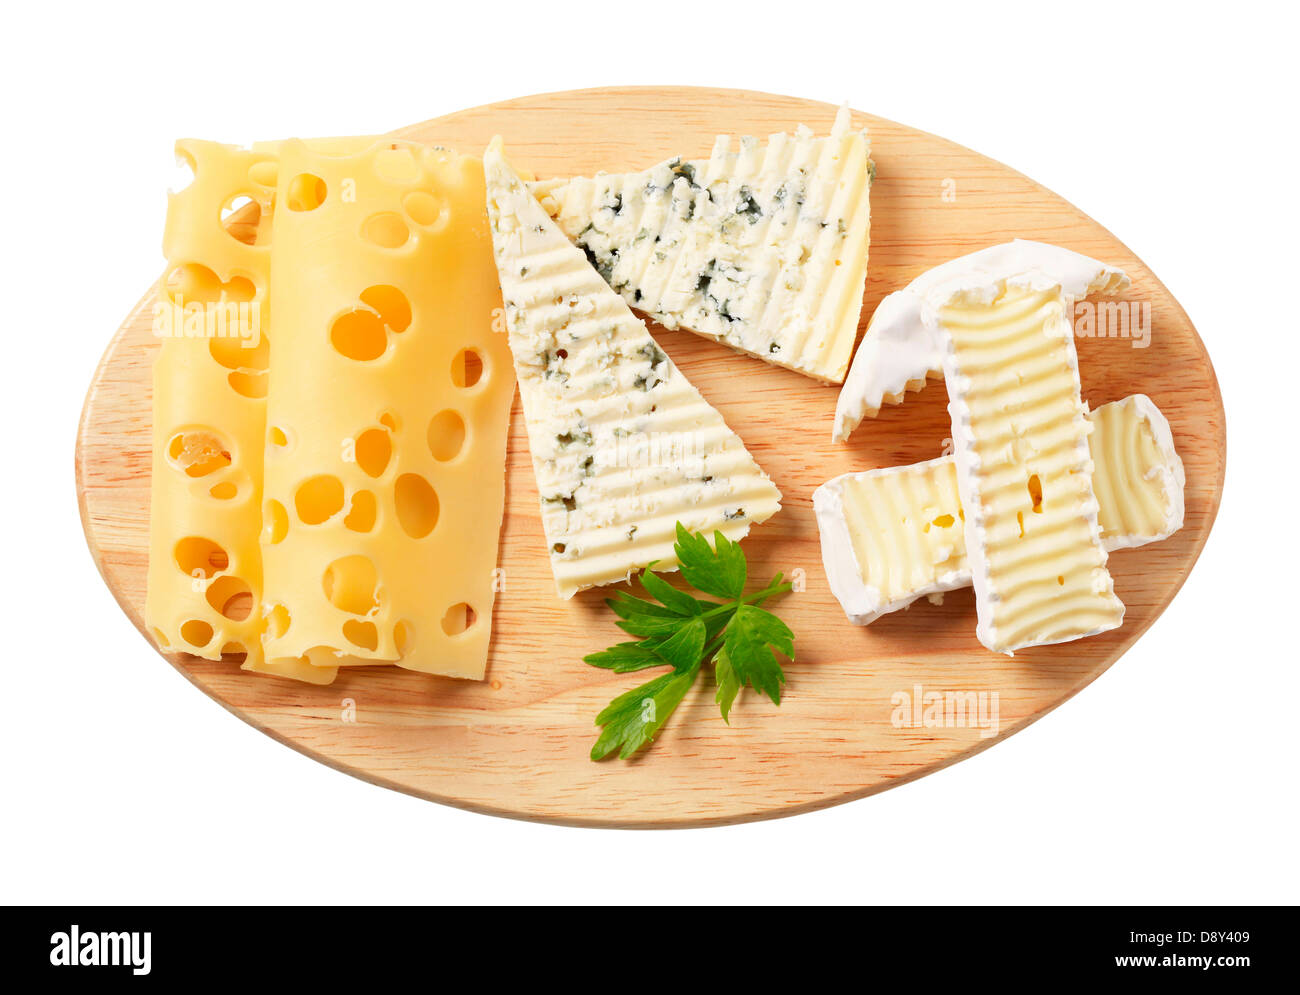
(862, 707)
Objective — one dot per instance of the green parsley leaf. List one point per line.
(681, 631)
(720, 571)
(728, 686)
(749, 641)
(631, 720)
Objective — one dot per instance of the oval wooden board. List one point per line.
(516, 744)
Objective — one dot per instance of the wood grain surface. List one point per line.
(516, 744)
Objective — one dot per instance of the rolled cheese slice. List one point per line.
(903, 345)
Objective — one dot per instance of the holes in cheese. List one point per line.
(403, 636)
(362, 333)
(458, 618)
(197, 633)
(195, 283)
(198, 452)
(250, 385)
(241, 217)
(467, 368)
(230, 597)
(361, 516)
(390, 304)
(363, 634)
(277, 437)
(386, 229)
(373, 450)
(277, 621)
(359, 334)
(424, 209)
(241, 352)
(351, 584)
(234, 652)
(417, 505)
(200, 557)
(275, 522)
(306, 192)
(446, 435)
(227, 490)
(319, 499)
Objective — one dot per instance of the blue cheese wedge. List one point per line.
(760, 246)
(623, 446)
(900, 351)
(894, 535)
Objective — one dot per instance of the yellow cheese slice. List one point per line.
(623, 446)
(209, 408)
(1024, 471)
(387, 412)
(894, 535)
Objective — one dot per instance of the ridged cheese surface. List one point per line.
(1024, 471)
(623, 446)
(903, 346)
(894, 535)
(1137, 476)
(763, 247)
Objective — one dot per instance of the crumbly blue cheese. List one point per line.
(623, 446)
(763, 247)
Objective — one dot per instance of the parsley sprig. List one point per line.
(681, 631)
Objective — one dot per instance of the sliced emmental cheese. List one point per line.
(623, 446)
(1024, 470)
(209, 407)
(894, 535)
(387, 413)
(901, 350)
(761, 246)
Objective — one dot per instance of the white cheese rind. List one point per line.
(864, 602)
(623, 446)
(762, 247)
(903, 346)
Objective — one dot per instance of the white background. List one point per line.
(1172, 779)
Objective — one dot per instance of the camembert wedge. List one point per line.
(623, 446)
(901, 351)
(1024, 470)
(763, 247)
(894, 535)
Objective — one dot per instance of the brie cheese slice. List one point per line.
(901, 349)
(894, 535)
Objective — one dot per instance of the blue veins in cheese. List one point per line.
(623, 446)
(762, 246)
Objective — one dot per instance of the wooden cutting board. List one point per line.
(516, 744)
